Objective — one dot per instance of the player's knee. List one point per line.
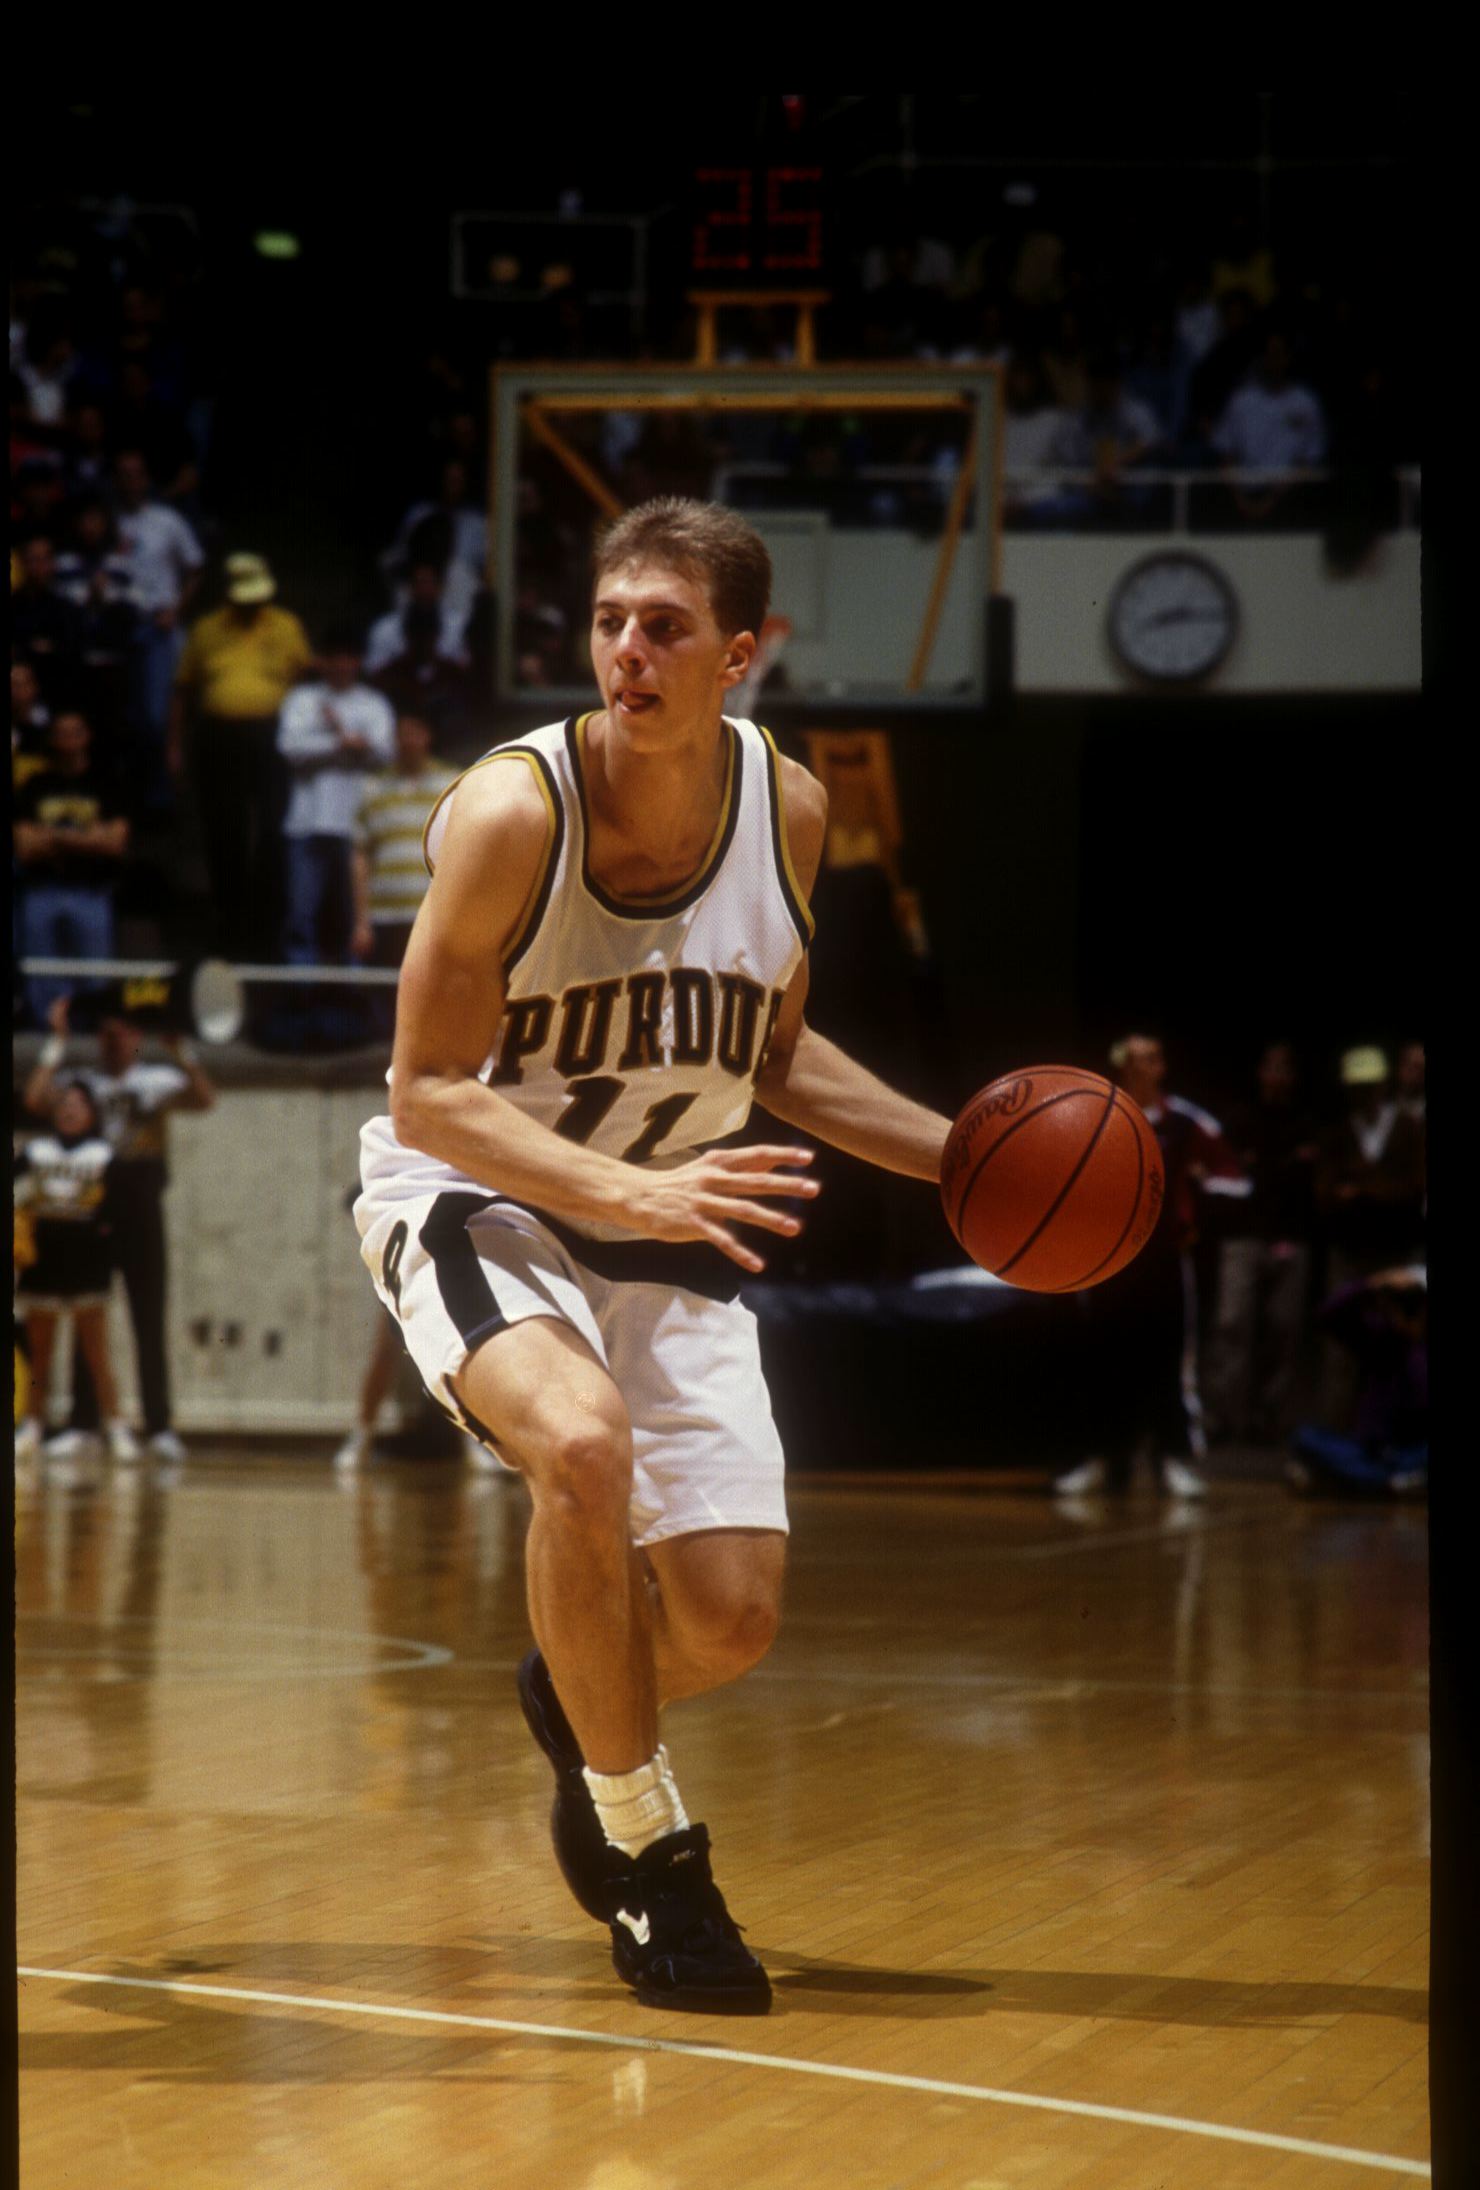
(736, 1630)
(585, 1469)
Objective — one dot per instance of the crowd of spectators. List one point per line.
(1281, 1300)
(188, 758)
(152, 659)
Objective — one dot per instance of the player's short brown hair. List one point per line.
(705, 542)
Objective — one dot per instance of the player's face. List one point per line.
(661, 660)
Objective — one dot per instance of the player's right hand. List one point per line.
(702, 1199)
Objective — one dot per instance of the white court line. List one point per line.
(186, 1665)
(1266, 2139)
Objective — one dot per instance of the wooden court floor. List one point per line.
(1083, 1850)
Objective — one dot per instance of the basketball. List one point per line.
(1052, 1179)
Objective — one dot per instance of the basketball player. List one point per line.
(610, 963)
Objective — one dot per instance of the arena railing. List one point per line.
(1176, 515)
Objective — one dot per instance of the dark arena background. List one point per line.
(1080, 1811)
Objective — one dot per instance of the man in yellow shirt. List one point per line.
(239, 664)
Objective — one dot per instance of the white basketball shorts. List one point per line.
(460, 1265)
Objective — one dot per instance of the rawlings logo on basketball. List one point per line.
(1004, 1100)
(1009, 1102)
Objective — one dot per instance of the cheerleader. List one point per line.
(62, 1186)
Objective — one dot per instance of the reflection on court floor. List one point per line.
(1081, 1850)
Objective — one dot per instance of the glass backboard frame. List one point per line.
(550, 390)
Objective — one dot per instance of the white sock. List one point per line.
(637, 1808)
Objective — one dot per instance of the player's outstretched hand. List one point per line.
(702, 1199)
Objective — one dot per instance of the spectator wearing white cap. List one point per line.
(239, 665)
(331, 734)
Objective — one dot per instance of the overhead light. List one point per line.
(275, 243)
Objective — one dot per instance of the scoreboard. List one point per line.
(758, 226)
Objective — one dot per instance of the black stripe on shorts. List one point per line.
(461, 1278)
(689, 1266)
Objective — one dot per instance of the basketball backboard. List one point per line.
(874, 487)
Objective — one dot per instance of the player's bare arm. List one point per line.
(451, 1001)
(808, 1080)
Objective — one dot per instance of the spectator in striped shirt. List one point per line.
(390, 875)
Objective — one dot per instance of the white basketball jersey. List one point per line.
(639, 1028)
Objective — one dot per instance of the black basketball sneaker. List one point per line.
(586, 1857)
(673, 1940)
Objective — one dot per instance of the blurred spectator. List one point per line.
(926, 262)
(1242, 262)
(1037, 278)
(46, 628)
(164, 558)
(1264, 1256)
(1409, 1082)
(387, 1349)
(422, 678)
(329, 734)
(1370, 1174)
(541, 635)
(36, 490)
(903, 305)
(1382, 1323)
(143, 420)
(70, 844)
(1271, 424)
(1224, 366)
(62, 1184)
(30, 724)
(46, 368)
(1031, 425)
(1066, 361)
(94, 574)
(1370, 1197)
(1106, 435)
(89, 466)
(1157, 376)
(1143, 1326)
(449, 533)
(1197, 321)
(390, 874)
(237, 669)
(389, 636)
(132, 1101)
